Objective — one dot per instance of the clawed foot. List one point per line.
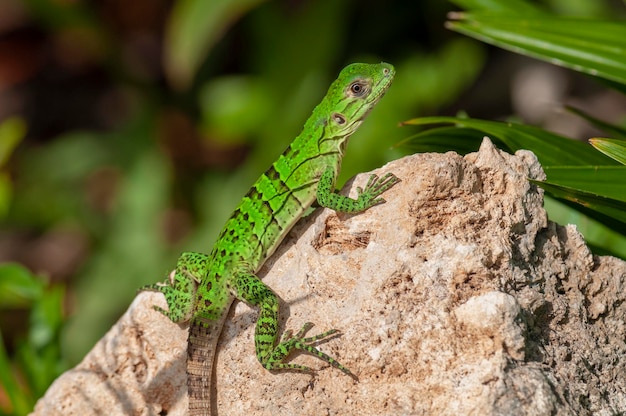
(298, 342)
(375, 187)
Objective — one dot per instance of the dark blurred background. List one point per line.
(130, 129)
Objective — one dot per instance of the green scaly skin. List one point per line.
(202, 288)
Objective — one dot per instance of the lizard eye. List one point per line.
(358, 89)
(339, 119)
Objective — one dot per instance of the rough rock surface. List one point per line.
(457, 296)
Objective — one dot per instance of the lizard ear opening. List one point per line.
(339, 118)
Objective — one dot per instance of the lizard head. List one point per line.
(354, 93)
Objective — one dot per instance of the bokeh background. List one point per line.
(130, 129)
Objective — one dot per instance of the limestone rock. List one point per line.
(457, 296)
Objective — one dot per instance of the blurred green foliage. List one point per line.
(12, 131)
(37, 358)
(147, 121)
(588, 181)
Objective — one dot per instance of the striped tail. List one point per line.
(201, 344)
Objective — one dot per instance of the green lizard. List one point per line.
(202, 288)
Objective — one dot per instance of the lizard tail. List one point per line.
(203, 336)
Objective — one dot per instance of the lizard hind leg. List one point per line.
(299, 342)
(180, 287)
(250, 289)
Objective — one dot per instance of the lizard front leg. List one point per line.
(367, 197)
(250, 289)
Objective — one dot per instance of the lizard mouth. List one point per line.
(383, 85)
(380, 87)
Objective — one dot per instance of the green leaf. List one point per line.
(18, 286)
(47, 317)
(551, 149)
(499, 6)
(593, 47)
(604, 181)
(613, 148)
(194, 27)
(610, 207)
